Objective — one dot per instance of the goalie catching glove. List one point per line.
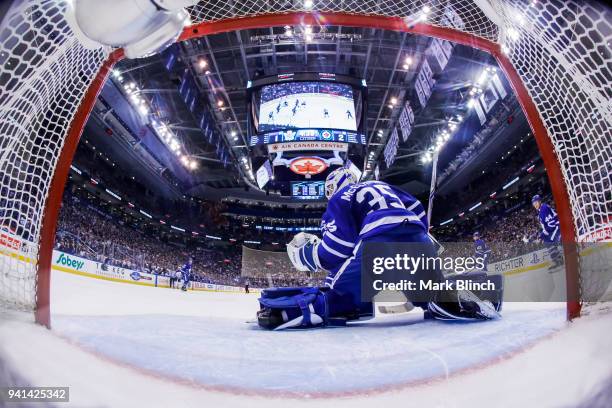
(302, 251)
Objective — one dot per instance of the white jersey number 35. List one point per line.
(380, 197)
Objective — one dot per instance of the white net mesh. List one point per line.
(267, 268)
(560, 50)
(466, 15)
(45, 73)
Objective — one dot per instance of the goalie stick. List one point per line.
(393, 309)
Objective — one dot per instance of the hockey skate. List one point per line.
(472, 304)
(555, 266)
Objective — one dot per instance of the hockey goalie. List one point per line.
(358, 213)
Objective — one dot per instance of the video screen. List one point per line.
(307, 190)
(306, 105)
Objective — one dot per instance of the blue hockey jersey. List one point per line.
(360, 211)
(481, 248)
(550, 223)
(186, 269)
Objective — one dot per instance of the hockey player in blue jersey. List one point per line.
(186, 273)
(356, 213)
(481, 250)
(550, 235)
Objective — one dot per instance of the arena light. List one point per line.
(177, 228)
(288, 31)
(482, 78)
(146, 214)
(424, 13)
(510, 183)
(475, 206)
(393, 100)
(220, 103)
(193, 165)
(213, 237)
(308, 29)
(407, 63)
(113, 194)
(447, 222)
(471, 103)
(308, 4)
(519, 18)
(252, 242)
(202, 63)
(513, 34)
(77, 171)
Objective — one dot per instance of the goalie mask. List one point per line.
(337, 179)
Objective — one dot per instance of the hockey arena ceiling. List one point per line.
(222, 64)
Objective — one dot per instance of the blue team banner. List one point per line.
(308, 135)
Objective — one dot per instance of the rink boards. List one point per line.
(20, 255)
(527, 277)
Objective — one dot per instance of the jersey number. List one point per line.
(381, 197)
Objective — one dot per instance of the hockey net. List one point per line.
(272, 268)
(559, 51)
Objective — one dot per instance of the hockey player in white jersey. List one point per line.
(357, 213)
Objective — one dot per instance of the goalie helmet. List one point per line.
(337, 179)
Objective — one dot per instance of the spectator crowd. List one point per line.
(87, 231)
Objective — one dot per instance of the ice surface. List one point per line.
(146, 343)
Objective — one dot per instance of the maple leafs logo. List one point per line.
(329, 226)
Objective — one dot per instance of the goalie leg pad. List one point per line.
(285, 308)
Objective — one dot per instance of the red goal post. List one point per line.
(53, 82)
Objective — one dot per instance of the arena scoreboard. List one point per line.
(308, 190)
